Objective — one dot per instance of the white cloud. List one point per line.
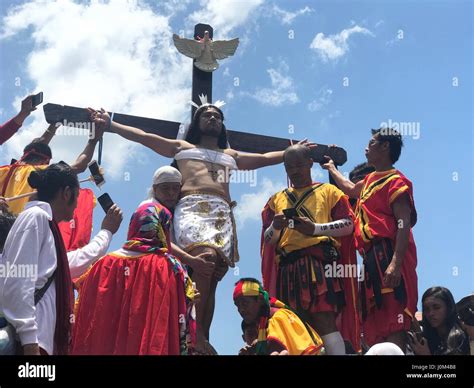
(250, 205)
(282, 90)
(333, 47)
(323, 99)
(117, 55)
(287, 17)
(379, 23)
(224, 15)
(173, 7)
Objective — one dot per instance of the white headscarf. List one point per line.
(165, 174)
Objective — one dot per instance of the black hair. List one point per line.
(360, 171)
(465, 309)
(253, 280)
(36, 152)
(457, 341)
(54, 178)
(298, 148)
(394, 139)
(6, 222)
(194, 132)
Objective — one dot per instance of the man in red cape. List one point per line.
(385, 215)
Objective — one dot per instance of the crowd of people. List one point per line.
(62, 292)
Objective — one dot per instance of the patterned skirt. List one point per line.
(303, 282)
(206, 220)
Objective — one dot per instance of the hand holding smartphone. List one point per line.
(37, 99)
(95, 172)
(106, 202)
(415, 335)
(291, 214)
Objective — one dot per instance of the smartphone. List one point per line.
(106, 202)
(95, 172)
(37, 99)
(291, 213)
(415, 334)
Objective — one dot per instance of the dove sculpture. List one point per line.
(205, 51)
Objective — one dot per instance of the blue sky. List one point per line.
(329, 70)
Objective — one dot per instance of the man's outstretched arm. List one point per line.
(352, 190)
(252, 161)
(161, 145)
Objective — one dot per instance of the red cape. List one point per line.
(77, 232)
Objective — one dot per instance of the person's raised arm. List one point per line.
(252, 161)
(163, 146)
(8, 129)
(80, 165)
(82, 258)
(350, 189)
(47, 135)
(26, 109)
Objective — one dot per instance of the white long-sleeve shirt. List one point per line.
(30, 246)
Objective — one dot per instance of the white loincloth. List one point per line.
(206, 220)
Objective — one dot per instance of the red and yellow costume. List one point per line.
(280, 324)
(77, 232)
(385, 310)
(294, 270)
(139, 300)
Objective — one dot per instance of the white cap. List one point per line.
(385, 349)
(167, 174)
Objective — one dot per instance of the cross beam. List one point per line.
(240, 141)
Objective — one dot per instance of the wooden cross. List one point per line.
(202, 84)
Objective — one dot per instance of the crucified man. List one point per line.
(204, 225)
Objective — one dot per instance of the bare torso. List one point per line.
(205, 176)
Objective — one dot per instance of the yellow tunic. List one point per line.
(286, 328)
(319, 205)
(17, 184)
